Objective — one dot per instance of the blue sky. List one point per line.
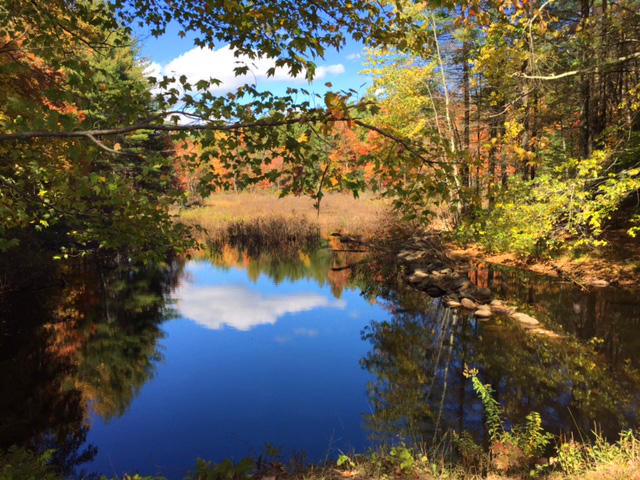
(171, 54)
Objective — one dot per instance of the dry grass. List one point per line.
(272, 234)
(338, 212)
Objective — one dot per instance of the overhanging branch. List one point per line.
(94, 134)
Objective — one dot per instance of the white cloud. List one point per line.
(353, 56)
(239, 307)
(153, 69)
(322, 72)
(204, 63)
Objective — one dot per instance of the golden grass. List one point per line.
(339, 212)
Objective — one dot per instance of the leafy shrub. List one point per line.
(20, 464)
(514, 449)
(574, 201)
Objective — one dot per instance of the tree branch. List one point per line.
(102, 145)
(93, 135)
(572, 73)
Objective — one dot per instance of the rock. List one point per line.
(502, 308)
(459, 282)
(417, 276)
(453, 304)
(444, 271)
(410, 255)
(483, 295)
(483, 312)
(599, 283)
(543, 332)
(525, 320)
(498, 306)
(468, 304)
(434, 291)
(427, 282)
(465, 286)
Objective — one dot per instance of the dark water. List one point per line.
(126, 369)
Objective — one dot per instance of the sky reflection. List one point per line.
(242, 308)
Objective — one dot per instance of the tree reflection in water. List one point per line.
(85, 339)
(418, 355)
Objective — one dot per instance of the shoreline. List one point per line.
(589, 272)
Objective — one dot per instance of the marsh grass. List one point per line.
(338, 213)
(272, 234)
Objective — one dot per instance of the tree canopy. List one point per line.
(517, 119)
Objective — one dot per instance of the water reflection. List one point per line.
(610, 317)
(240, 307)
(80, 346)
(84, 339)
(418, 355)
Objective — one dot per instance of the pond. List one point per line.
(312, 352)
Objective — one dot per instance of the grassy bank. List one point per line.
(338, 212)
(599, 460)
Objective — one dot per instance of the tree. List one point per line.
(532, 174)
(79, 195)
(86, 156)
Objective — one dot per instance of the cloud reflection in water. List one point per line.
(239, 307)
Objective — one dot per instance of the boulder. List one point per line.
(525, 320)
(444, 271)
(410, 255)
(483, 312)
(452, 296)
(459, 282)
(483, 295)
(468, 303)
(542, 331)
(417, 276)
(434, 291)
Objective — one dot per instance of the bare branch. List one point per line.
(102, 145)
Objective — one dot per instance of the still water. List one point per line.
(245, 363)
(124, 369)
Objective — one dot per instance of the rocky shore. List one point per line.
(428, 269)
